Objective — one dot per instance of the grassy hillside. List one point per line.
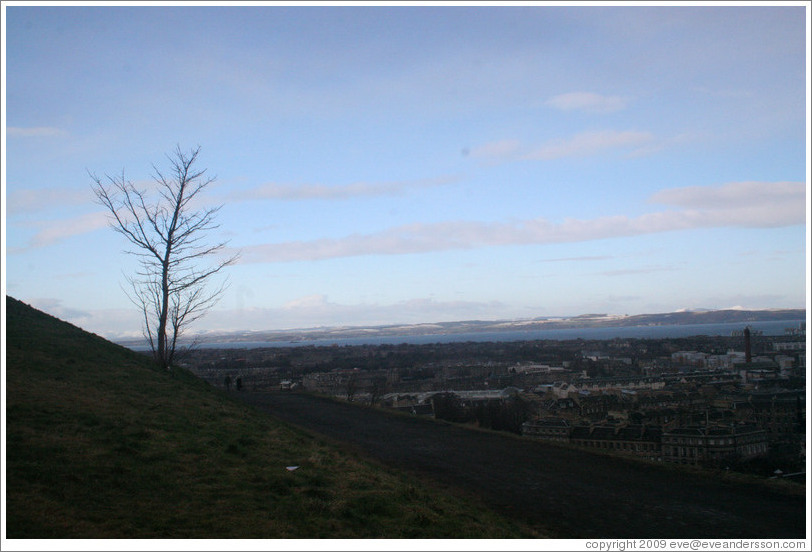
(102, 445)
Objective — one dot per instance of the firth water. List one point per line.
(769, 328)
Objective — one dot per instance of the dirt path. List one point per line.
(565, 493)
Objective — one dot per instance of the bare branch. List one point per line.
(169, 237)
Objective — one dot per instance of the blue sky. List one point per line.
(400, 164)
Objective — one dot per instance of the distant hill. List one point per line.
(541, 323)
(100, 444)
(710, 317)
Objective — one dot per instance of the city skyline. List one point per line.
(403, 164)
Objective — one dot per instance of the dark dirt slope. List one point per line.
(563, 492)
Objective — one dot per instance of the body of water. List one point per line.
(771, 328)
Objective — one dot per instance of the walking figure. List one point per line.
(239, 384)
(228, 383)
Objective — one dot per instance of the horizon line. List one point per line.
(584, 316)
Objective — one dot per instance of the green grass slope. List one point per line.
(102, 445)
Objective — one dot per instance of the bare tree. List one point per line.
(168, 234)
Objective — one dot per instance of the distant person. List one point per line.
(239, 384)
(228, 383)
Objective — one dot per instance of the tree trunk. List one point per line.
(162, 352)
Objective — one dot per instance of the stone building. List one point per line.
(548, 429)
(635, 440)
(701, 445)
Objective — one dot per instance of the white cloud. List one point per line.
(743, 204)
(587, 101)
(303, 192)
(590, 143)
(26, 201)
(733, 195)
(34, 132)
(51, 232)
(580, 145)
(769, 211)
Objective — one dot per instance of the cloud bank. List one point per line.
(741, 204)
(744, 205)
(305, 192)
(29, 201)
(732, 195)
(51, 232)
(34, 132)
(579, 145)
(590, 143)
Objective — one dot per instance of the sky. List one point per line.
(398, 164)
